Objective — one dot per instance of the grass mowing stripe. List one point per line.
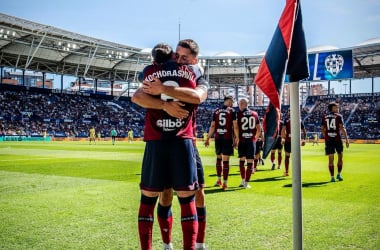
(26, 159)
(85, 154)
(68, 213)
(91, 203)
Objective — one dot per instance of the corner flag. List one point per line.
(287, 53)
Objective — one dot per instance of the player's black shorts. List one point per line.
(246, 149)
(200, 172)
(288, 147)
(259, 147)
(224, 147)
(169, 163)
(332, 146)
(277, 144)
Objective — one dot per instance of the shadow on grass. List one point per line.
(213, 190)
(275, 178)
(310, 184)
(265, 169)
(214, 175)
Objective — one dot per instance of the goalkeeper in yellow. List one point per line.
(92, 135)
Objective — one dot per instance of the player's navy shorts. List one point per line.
(288, 147)
(277, 144)
(169, 163)
(332, 146)
(200, 172)
(259, 147)
(224, 147)
(246, 149)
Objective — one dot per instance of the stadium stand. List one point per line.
(30, 111)
(360, 113)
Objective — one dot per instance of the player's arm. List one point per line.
(283, 134)
(323, 128)
(185, 94)
(148, 101)
(262, 131)
(236, 132)
(258, 131)
(344, 131)
(210, 133)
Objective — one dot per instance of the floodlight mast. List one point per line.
(179, 29)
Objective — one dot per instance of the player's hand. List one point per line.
(176, 109)
(347, 144)
(236, 142)
(154, 87)
(282, 141)
(207, 143)
(303, 142)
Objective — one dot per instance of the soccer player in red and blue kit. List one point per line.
(226, 130)
(286, 141)
(169, 157)
(277, 146)
(332, 127)
(186, 54)
(249, 131)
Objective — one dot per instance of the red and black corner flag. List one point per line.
(287, 53)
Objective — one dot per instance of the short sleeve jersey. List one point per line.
(158, 124)
(288, 129)
(247, 120)
(113, 132)
(200, 82)
(223, 118)
(92, 132)
(332, 122)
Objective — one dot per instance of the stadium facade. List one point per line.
(53, 60)
(105, 67)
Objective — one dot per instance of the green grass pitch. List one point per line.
(71, 195)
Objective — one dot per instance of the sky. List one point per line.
(241, 26)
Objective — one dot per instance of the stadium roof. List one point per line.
(28, 45)
(38, 47)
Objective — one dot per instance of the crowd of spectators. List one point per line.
(361, 114)
(31, 112)
(65, 115)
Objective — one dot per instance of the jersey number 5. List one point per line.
(222, 119)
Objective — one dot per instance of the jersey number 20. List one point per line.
(248, 123)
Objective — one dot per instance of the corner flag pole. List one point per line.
(295, 128)
(286, 54)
